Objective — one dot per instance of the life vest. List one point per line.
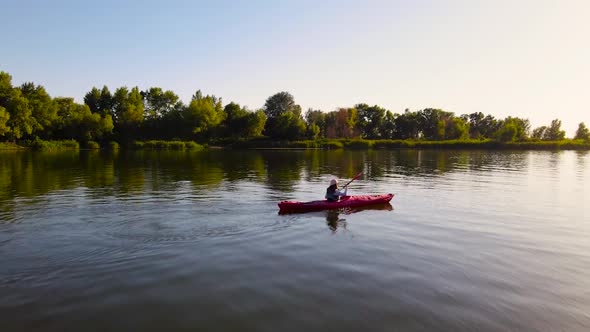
(331, 194)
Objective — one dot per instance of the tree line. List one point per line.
(29, 112)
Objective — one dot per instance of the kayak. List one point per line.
(344, 202)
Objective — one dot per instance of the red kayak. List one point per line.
(345, 201)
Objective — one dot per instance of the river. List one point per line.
(178, 241)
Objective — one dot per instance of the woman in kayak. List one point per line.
(332, 193)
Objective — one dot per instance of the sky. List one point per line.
(526, 58)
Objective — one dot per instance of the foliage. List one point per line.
(165, 145)
(38, 144)
(582, 132)
(158, 103)
(240, 122)
(342, 123)
(370, 120)
(28, 113)
(92, 145)
(539, 133)
(113, 146)
(554, 132)
(128, 107)
(203, 115)
(280, 103)
(4, 117)
(78, 122)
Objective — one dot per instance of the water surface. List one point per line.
(179, 241)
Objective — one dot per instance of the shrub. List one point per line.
(190, 145)
(113, 145)
(92, 145)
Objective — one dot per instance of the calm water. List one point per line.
(178, 241)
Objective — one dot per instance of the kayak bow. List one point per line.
(344, 202)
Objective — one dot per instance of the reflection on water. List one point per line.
(28, 174)
(179, 241)
(334, 218)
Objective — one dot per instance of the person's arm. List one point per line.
(342, 193)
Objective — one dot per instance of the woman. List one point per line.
(332, 193)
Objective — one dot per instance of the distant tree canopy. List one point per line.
(28, 112)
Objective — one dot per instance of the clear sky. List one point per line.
(528, 58)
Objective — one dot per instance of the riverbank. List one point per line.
(91, 145)
(323, 144)
(407, 144)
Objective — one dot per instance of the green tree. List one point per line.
(288, 125)
(539, 133)
(239, 122)
(480, 125)
(78, 122)
(105, 102)
(457, 128)
(203, 115)
(513, 125)
(158, 102)
(5, 88)
(406, 125)
(284, 120)
(342, 123)
(554, 132)
(429, 123)
(370, 120)
(507, 133)
(128, 109)
(43, 110)
(316, 118)
(21, 121)
(387, 130)
(256, 122)
(280, 103)
(582, 132)
(4, 117)
(92, 99)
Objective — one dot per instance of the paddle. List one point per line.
(354, 178)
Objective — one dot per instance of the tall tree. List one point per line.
(316, 118)
(284, 119)
(92, 99)
(43, 110)
(480, 125)
(432, 122)
(158, 102)
(21, 120)
(203, 115)
(554, 132)
(582, 132)
(370, 120)
(5, 88)
(513, 129)
(4, 117)
(78, 122)
(539, 133)
(105, 102)
(128, 107)
(280, 103)
(342, 123)
(407, 125)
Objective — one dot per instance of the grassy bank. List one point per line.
(324, 144)
(10, 146)
(361, 144)
(165, 145)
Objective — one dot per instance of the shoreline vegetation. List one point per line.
(157, 119)
(322, 144)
